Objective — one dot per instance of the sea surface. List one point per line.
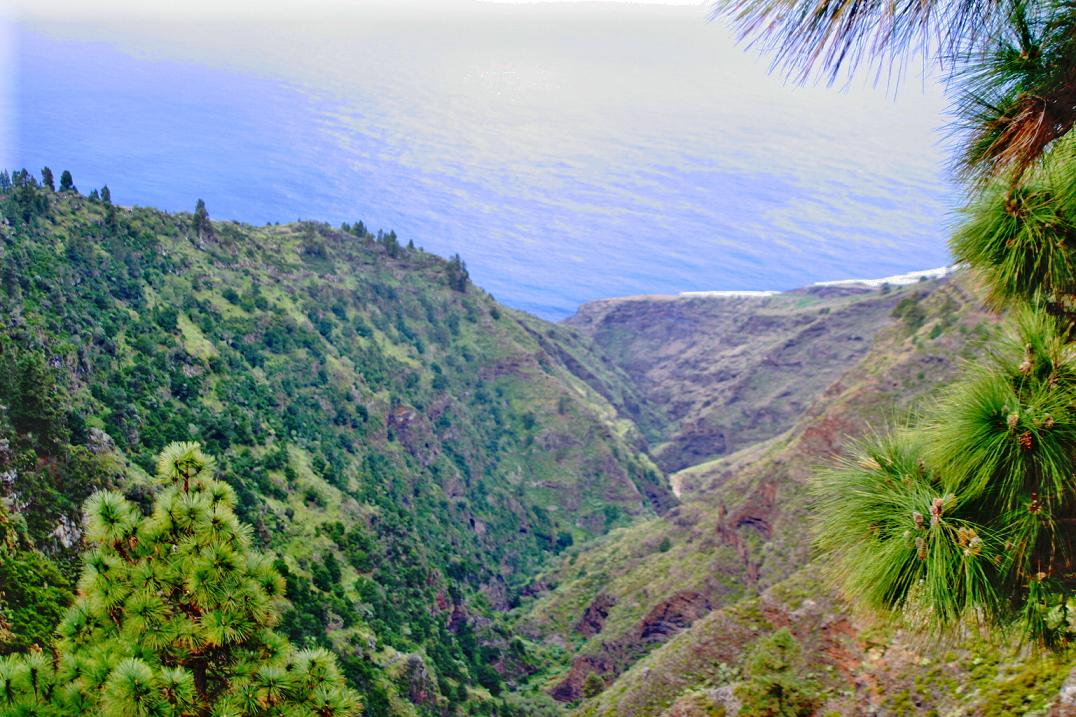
(568, 151)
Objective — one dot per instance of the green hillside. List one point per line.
(408, 449)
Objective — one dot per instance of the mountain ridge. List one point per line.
(726, 371)
(908, 277)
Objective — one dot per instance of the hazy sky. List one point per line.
(72, 9)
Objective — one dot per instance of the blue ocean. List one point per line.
(568, 152)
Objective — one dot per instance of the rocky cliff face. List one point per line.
(728, 371)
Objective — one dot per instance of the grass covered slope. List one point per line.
(409, 449)
(794, 650)
(652, 613)
(908, 356)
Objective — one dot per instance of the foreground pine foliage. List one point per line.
(1011, 64)
(174, 617)
(967, 515)
(970, 514)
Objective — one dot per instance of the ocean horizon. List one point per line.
(567, 152)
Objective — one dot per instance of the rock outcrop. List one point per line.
(593, 619)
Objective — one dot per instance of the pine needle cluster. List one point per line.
(174, 617)
(1019, 236)
(970, 513)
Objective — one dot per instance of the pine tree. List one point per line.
(29, 199)
(972, 512)
(174, 617)
(391, 244)
(41, 404)
(457, 273)
(106, 195)
(593, 685)
(202, 225)
(47, 180)
(111, 218)
(1012, 64)
(775, 684)
(5, 181)
(67, 182)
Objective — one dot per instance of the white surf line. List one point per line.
(910, 277)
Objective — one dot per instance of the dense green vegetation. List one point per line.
(174, 616)
(407, 450)
(414, 459)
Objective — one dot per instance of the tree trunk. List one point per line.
(198, 667)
